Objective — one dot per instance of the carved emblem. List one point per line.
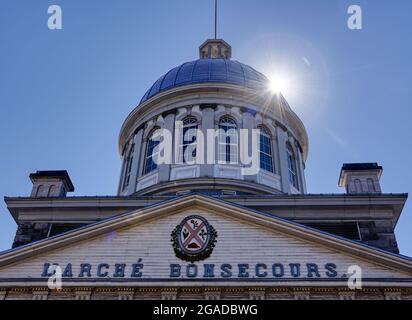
(193, 239)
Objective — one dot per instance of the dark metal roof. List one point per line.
(208, 70)
(61, 174)
(361, 166)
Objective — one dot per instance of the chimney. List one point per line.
(359, 178)
(51, 184)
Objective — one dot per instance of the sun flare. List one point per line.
(279, 84)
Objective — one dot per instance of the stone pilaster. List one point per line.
(169, 126)
(119, 188)
(301, 169)
(137, 140)
(284, 174)
(248, 124)
(208, 123)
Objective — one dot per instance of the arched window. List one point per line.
(187, 148)
(358, 186)
(228, 140)
(291, 167)
(51, 191)
(265, 150)
(40, 190)
(128, 167)
(371, 185)
(151, 151)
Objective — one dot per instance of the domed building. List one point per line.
(212, 93)
(211, 204)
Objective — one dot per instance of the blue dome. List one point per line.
(208, 70)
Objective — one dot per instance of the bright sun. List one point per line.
(279, 84)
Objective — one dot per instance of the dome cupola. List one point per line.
(213, 66)
(210, 109)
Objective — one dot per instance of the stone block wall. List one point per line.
(29, 232)
(379, 234)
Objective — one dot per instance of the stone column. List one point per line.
(137, 141)
(208, 122)
(169, 125)
(284, 174)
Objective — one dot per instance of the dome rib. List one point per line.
(207, 71)
(226, 70)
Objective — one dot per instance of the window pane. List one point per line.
(151, 155)
(292, 169)
(189, 137)
(265, 151)
(228, 141)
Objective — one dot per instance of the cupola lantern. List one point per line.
(215, 49)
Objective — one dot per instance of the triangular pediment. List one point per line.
(249, 246)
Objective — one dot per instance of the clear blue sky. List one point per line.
(64, 94)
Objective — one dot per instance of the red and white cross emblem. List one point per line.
(194, 234)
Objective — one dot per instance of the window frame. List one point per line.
(150, 143)
(128, 167)
(265, 134)
(189, 123)
(227, 123)
(292, 168)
